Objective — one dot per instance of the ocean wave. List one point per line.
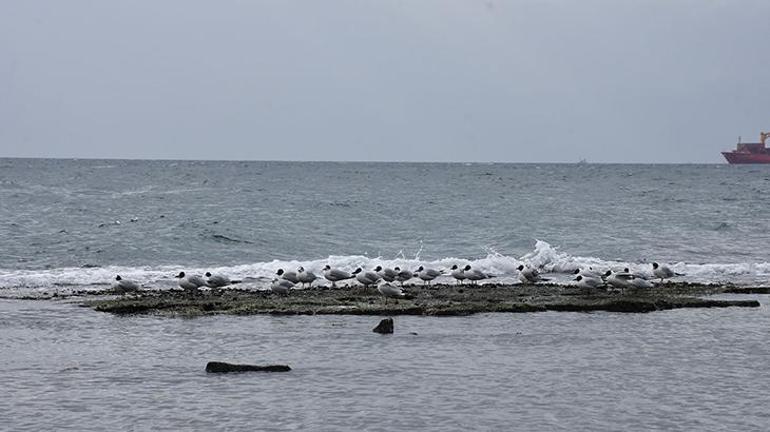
(257, 275)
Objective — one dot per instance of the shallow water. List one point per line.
(77, 223)
(70, 368)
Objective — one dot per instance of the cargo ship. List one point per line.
(750, 153)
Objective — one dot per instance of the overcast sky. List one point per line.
(409, 80)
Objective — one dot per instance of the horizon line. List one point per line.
(582, 161)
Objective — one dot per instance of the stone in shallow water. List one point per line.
(384, 327)
(222, 367)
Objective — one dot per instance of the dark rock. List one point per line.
(222, 367)
(749, 290)
(384, 327)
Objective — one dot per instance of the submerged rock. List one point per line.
(222, 367)
(384, 327)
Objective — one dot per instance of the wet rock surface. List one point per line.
(439, 300)
(384, 327)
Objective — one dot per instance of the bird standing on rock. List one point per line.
(306, 277)
(366, 278)
(335, 275)
(458, 274)
(387, 274)
(389, 291)
(663, 272)
(403, 275)
(474, 275)
(427, 275)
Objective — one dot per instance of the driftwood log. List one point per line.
(222, 367)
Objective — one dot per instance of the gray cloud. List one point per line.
(440, 80)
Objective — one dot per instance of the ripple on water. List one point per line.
(676, 370)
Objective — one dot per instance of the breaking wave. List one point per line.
(257, 275)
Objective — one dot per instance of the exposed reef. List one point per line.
(435, 300)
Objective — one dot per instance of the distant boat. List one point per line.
(750, 153)
(582, 162)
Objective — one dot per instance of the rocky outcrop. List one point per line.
(441, 300)
(384, 327)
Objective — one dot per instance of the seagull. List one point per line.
(589, 273)
(458, 274)
(529, 275)
(123, 285)
(281, 286)
(625, 280)
(427, 275)
(403, 275)
(387, 274)
(336, 275)
(636, 275)
(640, 282)
(388, 290)
(289, 276)
(217, 280)
(474, 275)
(366, 278)
(589, 282)
(190, 282)
(306, 277)
(663, 272)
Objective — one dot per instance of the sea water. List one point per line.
(72, 225)
(75, 224)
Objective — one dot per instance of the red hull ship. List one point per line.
(750, 153)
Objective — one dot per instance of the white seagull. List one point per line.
(216, 280)
(588, 273)
(474, 275)
(589, 282)
(366, 278)
(281, 286)
(387, 274)
(123, 285)
(335, 275)
(306, 277)
(625, 280)
(529, 275)
(618, 280)
(663, 272)
(427, 275)
(636, 275)
(288, 275)
(403, 275)
(458, 274)
(190, 282)
(640, 282)
(389, 291)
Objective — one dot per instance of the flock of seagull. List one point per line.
(384, 277)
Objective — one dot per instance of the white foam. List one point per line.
(258, 275)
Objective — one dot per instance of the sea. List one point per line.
(70, 226)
